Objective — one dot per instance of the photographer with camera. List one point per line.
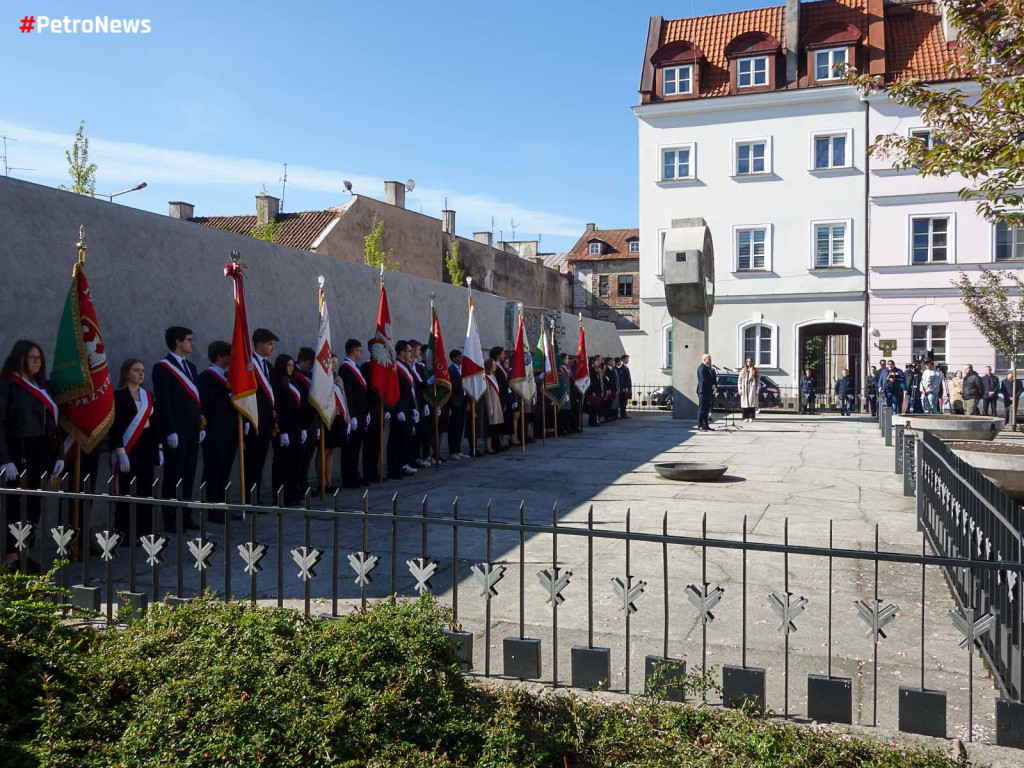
(893, 387)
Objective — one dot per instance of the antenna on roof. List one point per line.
(513, 223)
(348, 186)
(492, 226)
(8, 168)
(284, 183)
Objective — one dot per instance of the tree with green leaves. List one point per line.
(995, 303)
(375, 255)
(451, 262)
(981, 126)
(81, 171)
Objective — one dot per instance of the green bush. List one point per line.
(210, 684)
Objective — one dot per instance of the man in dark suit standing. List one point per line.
(257, 442)
(221, 423)
(625, 385)
(456, 407)
(310, 418)
(358, 412)
(400, 448)
(372, 440)
(180, 414)
(707, 386)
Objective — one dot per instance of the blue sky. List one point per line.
(516, 110)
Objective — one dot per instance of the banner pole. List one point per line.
(522, 419)
(472, 408)
(381, 462)
(241, 457)
(554, 411)
(76, 522)
(543, 410)
(437, 442)
(323, 459)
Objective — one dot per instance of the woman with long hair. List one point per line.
(135, 450)
(290, 436)
(750, 387)
(29, 435)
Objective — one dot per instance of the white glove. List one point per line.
(172, 440)
(367, 419)
(122, 459)
(8, 471)
(316, 433)
(533, 401)
(247, 425)
(159, 458)
(415, 417)
(353, 425)
(387, 415)
(58, 468)
(303, 436)
(401, 415)
(285, 441)
(515, 405)
(202, 435)
(426, 410)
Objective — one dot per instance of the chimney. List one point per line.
(876, 36)
(591, 227)
(267, 208)
(448, 223)
(483, 237)
(394, 193)
(949, 30)
(792, 41)
(180, 210)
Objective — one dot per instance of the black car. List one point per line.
(728, 397)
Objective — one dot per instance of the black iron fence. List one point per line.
(299, 547)
(772, 398)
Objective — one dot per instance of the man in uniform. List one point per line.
(257, 441)
(310, 418)
(372, 445)
(357, 394)
(456, 407)
(625, 385)
(221, 441)
(402, 417)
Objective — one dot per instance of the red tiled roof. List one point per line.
(915, 45)
(298, 230)
(616, 245)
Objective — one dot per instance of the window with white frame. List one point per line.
(751, 249)
(831, 150)
(930, 239)
(595, 249)
(830, 244)
(666, 347)
(634, 246)
(751, 72)
(751, 157)
(677, 163)
(825, 63)
(759, 346)
(927, 137)
(1009, 242)
(927, 338)
(677, 80)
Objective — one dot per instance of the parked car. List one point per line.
(662, 397)
(728, 397)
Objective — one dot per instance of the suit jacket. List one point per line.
(625, 377)
(289, 412)
(458, 398)
(178, 411)
(147, 447)
(264, 406)
(844, 386)
(310, 417)
(991, 382)
(707, 378)
(221, 416)
(21, 416)
(356, 393)
(504, 393)
(421, 386)
(406, 395)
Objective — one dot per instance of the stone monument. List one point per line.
(689, 274)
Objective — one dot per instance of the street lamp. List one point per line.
(136, 188)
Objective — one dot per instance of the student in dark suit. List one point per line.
(400, 449)
(303, 379)
(221, 441)
(595, 395)
(180, 414)
(29, 435)
(425, 446)
(456, 407)
(707, 386)
(257, 441)
(289, 440)
(357, 394)
(372, 443)
(625, 385)
(134, 446)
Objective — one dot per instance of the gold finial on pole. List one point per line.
(469, 285)
(321, 281)
(81, 244)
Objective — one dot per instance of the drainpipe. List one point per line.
(866, 351)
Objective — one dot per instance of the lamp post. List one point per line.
(136, 188)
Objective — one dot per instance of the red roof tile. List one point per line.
(616, 245)
(915, 45)
(298, 230)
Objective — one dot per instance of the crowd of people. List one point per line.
(179, 412)
(922, 387)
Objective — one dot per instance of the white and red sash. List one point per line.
(220, 376)
(38, 393)
(405, 372)
(339, 401)
(416, 373)
(295, 393)
(184, 380)
(492, 383)
(261, 378)
(308, 382)
(352, 366)
(134, 431)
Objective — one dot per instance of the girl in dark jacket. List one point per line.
(29, 439)
(290, 435)
(135, 450)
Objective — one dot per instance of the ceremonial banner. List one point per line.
(241, 373)
(557, 392)
(543, 357)
(80, 379)
(439, 383)
(473, 381)
(383, 373)
(521, 376)
(581, 373)
(321, 392)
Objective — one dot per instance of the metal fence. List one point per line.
(658, 397)
(42, 523)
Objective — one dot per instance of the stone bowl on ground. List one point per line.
(692, 471)
(955, 427)
(1001, 463)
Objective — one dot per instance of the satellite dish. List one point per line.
(410, 185)
(348, 186)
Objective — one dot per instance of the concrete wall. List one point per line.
(149, 271)
(506, 274)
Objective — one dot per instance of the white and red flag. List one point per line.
(383, 371)
(321, 391)
(473, 381)
(581, 373)
(241, 375)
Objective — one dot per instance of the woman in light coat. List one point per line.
(495, 417)
(749, 385)
(956, 393)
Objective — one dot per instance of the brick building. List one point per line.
(606, 276)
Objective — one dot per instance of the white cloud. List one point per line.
(127, 163)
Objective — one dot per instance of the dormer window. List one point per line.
(825, 63)
(752, 72)
(678, 80)
(595, 249)
(634, 246)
